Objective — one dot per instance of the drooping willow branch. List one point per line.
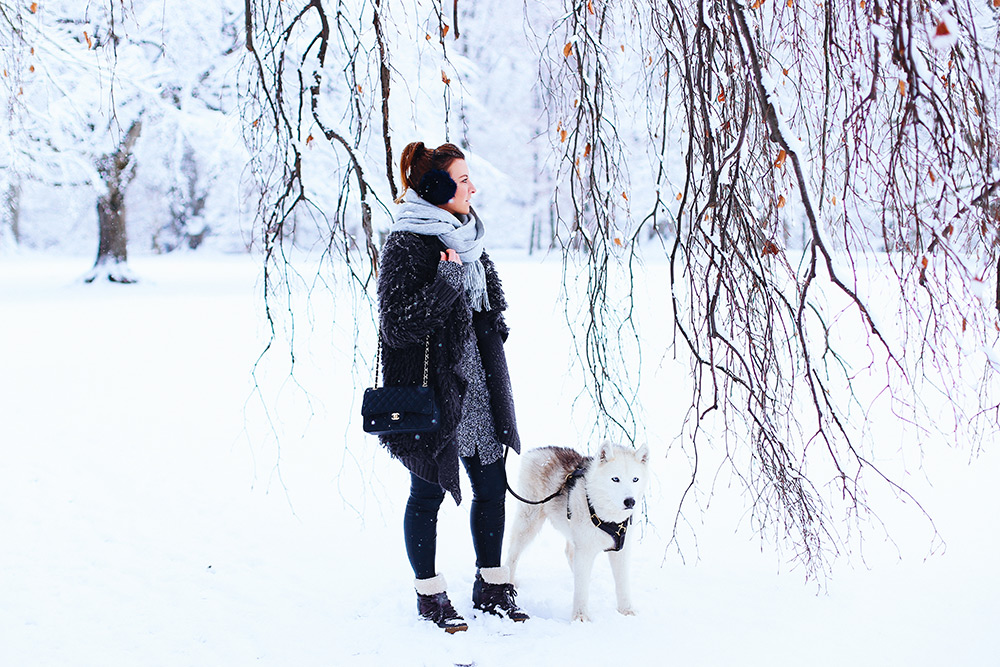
(757, 328)
(590, 182)
(385, 81)
(285, 103)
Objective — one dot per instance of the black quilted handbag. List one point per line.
(404, 409)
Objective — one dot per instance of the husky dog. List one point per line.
(593, 507)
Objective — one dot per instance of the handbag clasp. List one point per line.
(395, 416)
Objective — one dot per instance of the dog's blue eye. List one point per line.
(615, 480)
(635, 479)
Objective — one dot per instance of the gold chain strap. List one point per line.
(427, 357)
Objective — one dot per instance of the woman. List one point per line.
(439, 295)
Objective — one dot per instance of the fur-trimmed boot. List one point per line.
(433, 604)
(494, 594)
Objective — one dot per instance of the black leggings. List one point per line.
(486, 517)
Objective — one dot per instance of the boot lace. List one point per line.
(507, 595)
(446, 612)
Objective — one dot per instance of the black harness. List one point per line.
(615, 530)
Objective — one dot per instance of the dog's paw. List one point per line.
(581, 616)
(626, 611)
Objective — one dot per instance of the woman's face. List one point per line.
(459, 172)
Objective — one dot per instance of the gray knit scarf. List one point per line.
(463, 233)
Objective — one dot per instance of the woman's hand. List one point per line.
(451, 256)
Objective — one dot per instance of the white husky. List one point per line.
(592, 510)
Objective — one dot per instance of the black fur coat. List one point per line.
(415, 301)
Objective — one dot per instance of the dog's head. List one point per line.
(617, 480)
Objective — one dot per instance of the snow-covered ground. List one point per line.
(155, 509)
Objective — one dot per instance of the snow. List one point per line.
(993, 356)
(944, 36)
(150, 517)
(881, 33)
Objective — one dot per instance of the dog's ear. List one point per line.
(607, 452)
(643, 454)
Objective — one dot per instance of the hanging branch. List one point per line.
(283, 104)
(756, 328)
(384, 82)
(580, 105)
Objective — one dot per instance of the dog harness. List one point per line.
(615, 530)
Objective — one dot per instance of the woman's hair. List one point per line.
(417, 160)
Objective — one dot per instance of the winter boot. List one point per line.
(494, 594)
(434, 605)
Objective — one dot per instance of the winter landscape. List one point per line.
(760, 238)
(149, 516)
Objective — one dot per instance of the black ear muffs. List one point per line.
(437, 187)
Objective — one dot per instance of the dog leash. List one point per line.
(567, 483)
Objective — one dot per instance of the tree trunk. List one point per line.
(12, 211)
(112, 247)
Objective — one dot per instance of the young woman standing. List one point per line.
(439, 292)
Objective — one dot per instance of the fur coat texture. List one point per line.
(414, 302)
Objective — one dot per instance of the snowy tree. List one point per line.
(789, 160)
(112, 243)
(80, 80)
